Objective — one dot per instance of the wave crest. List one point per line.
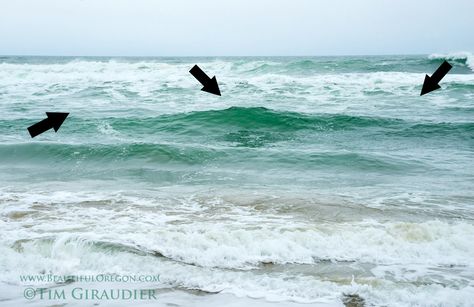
(460, 57)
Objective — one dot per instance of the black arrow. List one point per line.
(210, 85)
(54, 120)
(431, 83)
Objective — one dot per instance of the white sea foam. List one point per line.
(244, 237)
(213, 245)
(164, 88)
(78, 257)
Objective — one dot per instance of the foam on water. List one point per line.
(309, 180)
(228, 251)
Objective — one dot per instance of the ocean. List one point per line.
(311, 181)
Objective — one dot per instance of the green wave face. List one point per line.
(238, 137)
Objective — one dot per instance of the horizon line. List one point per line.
(216, 56)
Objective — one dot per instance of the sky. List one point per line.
(235, 27)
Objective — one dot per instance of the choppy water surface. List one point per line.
(309, 180)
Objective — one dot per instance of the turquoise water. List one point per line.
(338, 159)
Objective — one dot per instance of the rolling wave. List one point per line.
(459, 58)
(229, 135)
(279, 123)
(215, 123)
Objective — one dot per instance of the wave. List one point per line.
(69, 255)
(298, 66)
(221, 245)
(169, 68)
(236, 123)
(248, 248)
(460, 58)
(224, 120)
(264, 118)
(152, 153)
(183, 137)
(357, 64)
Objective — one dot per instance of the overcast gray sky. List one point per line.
(235, 27)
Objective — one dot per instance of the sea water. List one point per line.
(322, 180)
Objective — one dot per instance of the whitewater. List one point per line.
(312, 181)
